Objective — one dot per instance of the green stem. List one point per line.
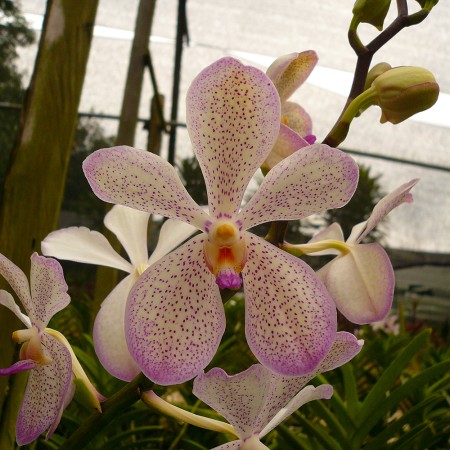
(306, 249)
(112, 407)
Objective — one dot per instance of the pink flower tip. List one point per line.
(228, 279)
(310, 138)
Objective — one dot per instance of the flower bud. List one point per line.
(404, 91)
(371, 11)
(375, 72)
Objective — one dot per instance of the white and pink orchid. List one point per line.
(174, 316)
(49, 388)
(288, 73)
(255, 401)
(361, 278)
(86, 246)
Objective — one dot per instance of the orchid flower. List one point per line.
(288, 73)
(361, 278)
(83, 245)
(174, 315)
(49, 388)
(257, 400)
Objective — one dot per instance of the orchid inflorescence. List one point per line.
(166, 317)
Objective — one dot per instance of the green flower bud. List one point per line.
(371, 11)
(375, 72)
(404, 91)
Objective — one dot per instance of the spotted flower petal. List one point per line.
(361, 283)
(287, 143)
(289, 72)
(45, 392)
(297, 119)
(290, 317)
(233, 117)
(109, 333)
(7, 300)
(130, 227)
(17, 280)
(311, 180)
(48, 290)
(19, 366)
(382, 209)
(83, 245)
(141, 180)
(175, 317)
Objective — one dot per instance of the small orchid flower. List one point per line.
(257, 400)
(174, 316)
(49, 388)
(361, 278)
(288, 73)
(83, 245)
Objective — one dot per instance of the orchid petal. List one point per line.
(334, 232)
(306, 395)
(141, 180)
(19, 366)
(310, 181)
(289, 72)
(297, 119)
(48, 290)
(80, 244)
(45, 392)
(175, 317)
(287, 143)
(172, 234)
(383, 208)
(233, 445)
(7, 300)
(238, 398)
(130, 227)
(233, 117)
(109, 333)
(17, 280)
(290, 317)
(361, 283)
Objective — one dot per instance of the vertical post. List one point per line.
(155, 126)
(35, 179)
(107, 278)
(181, 33)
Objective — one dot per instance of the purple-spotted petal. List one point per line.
(17, 280)
(287, 143)
(233, 445)
(130, 227)
(361, 283)
(297, 119)
(239, 398)
(48, 290)
(80, 244)
(289, 72)
(311, 180)
(290, 317)
(175, 317)
(307, 394)
(45, 392)
(7, 300)
(172, 234)
(109, 333)
(382, 209)
(141, 180)
(233, 117)
(19, 366)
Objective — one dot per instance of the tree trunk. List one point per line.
(34, 183)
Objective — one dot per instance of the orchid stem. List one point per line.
(111, 408)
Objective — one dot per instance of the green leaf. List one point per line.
(325, 439)
(351, 393)
(377, 395)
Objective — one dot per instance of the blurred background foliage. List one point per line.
(393, 395)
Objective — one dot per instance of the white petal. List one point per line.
(130, 226)
(109, 333)
(82, 245)
(6, 299)
(172, 234)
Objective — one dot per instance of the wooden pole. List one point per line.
(34, 182)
